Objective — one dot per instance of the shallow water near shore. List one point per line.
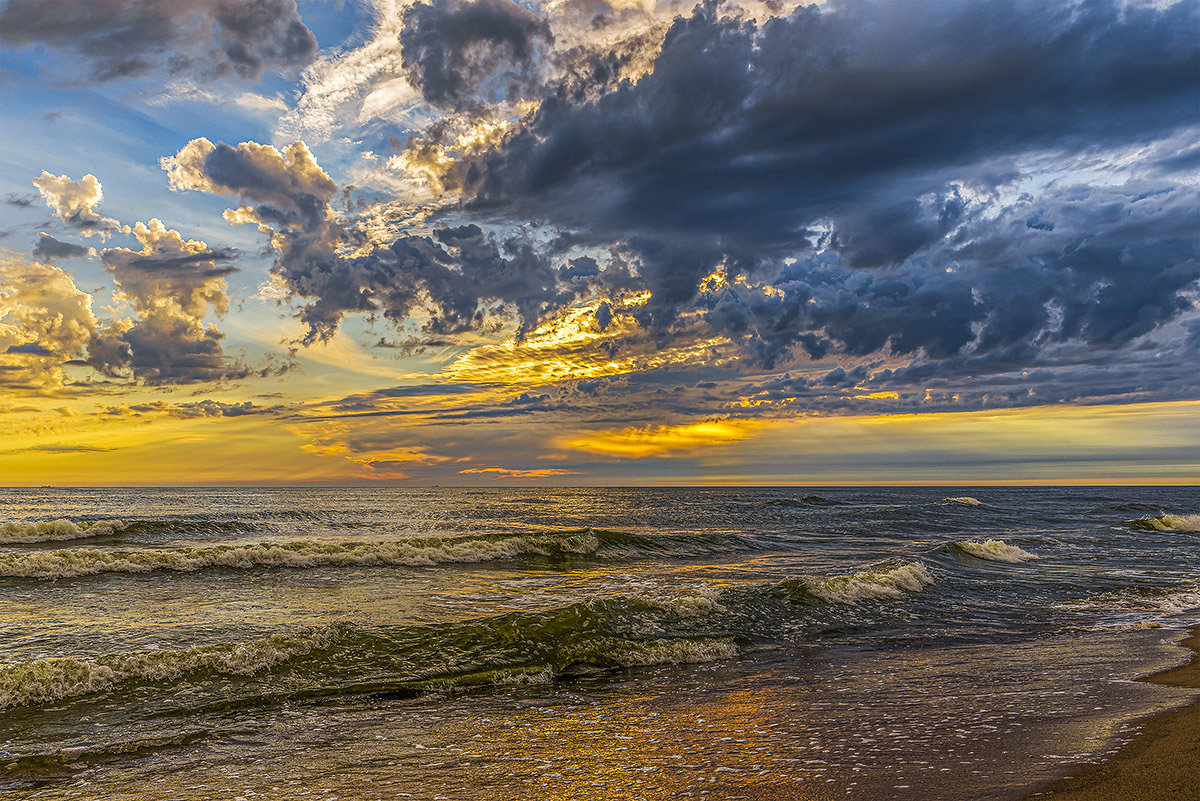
(591, 643)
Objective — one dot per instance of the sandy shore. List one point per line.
(1162, 762)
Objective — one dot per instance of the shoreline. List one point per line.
(1163, 759)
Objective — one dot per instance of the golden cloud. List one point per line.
(517, 473)
(637, 443)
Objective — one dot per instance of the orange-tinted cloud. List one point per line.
(637, 443)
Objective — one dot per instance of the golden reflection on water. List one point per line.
(735, 746)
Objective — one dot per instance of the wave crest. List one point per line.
(511, 649)
(994, 551)
(965, 500)
(413, 552)
(53, 530)
(297, 554)
(1165, 522)
(866, 585)
(56, 678)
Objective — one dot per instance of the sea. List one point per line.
(653, 643)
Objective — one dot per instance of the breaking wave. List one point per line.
(52, 530)
(521, 647)
(512, 649)
(55, 678)
(994, 551)
(1165, 522)
(965, 500)
(414, 552)
(891, 581)
(14, 533)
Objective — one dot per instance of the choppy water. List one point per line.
(664, 643)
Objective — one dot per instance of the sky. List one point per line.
(599, 242)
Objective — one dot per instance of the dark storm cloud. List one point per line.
(860, 120)
(915, 195)
(751, 132)
(456, 51)
(49, 249)
(121, 38)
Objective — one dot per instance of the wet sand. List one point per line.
(1162, 762)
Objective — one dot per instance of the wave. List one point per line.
(413, 552)
(807, 500)
(891, 581)
(1165, 522)
(55, 678)
(994, 551)
(522, 647)
(340, 659)
(14, 533)
(52, 530)
(1131, 506)
(965, 500)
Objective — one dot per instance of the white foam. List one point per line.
(891, 582)
(1167, 604)
(52, 530)
(702, 602)
(675, 652)
(994, 551)
(965, 500)
(295, 554)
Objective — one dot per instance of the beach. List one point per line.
(1162, 761)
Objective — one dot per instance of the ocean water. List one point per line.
(374, 643)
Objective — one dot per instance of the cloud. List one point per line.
(508, 472)
(858, 126)
(59, 449)
(454, 51)
(49, 249)
(354, 87)
(122, 38)
(172, 284)
(640, 442)
(852, 205)
(188, 411)
(45, 322)
(75, 202)
(456, 275)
